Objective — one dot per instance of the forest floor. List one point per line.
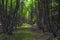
(27, 34)
(35, 35)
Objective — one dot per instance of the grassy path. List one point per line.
(26, 34)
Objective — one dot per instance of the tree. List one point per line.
(9, 21)
(39, 23)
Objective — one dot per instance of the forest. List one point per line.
(29, 19)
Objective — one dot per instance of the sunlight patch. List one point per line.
(25, 25)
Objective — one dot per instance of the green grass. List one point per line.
(55, 38)
(22, 33)
(24, 25)
(18, 35)
(21, 36)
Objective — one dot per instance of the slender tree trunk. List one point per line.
(1, 12)
(46, 22)
(59, 18)
(13, 17)
(40, 14)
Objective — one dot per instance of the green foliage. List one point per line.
(27, 8)
(9, 5)
(53, 5)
